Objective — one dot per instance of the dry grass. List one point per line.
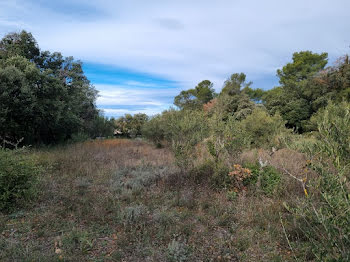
(120, 200)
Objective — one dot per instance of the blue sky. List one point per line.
(140, 54)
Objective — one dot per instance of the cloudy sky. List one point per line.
(139, 54)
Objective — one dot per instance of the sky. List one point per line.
(140, 54)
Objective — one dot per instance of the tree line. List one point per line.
(306, 86)
(45, 98)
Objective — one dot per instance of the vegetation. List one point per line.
(240, 175)
(18, 179)
(44, 97)
(131, 126)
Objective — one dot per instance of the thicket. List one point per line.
(323, 217)
(309, 111)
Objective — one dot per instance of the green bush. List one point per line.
(261, 130)
(334, 132)
(184, 130)
(270, 180)
(323, 217)
(18, 178)
(156, 129)
(267, 178)
(229, 137)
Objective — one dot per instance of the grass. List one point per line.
(124, 200)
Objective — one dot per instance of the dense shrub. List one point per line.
(266, 179)
(183, 130)
(154, 130)
(270, 180)
(188, 128)
(260, 129)
(323, 216)
(334, 132)
(18, 178)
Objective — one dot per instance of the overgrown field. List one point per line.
(124, 200)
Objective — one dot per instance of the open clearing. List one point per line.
(124, 200)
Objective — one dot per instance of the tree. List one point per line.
(131, 125)
(197, 97)
(235, 84)
(255, 95)
(291, 99)
(21, 44)
(304, 65)
(44, 97)
(233, 100)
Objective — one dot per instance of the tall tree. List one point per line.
(197, 97)
(233, 99)
(235, 84)
(291, 99)
(44, 97)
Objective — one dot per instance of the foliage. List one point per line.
(78, 137)
(291, 99)
(195, 98)
(102, 127)
(131, 126)
(261, 130)
(154, 130)
(182, 130)
(304, 64)
(18, 178)
(267, 178)
(254, 94)
(258, 130)
(233, 99)
(235, 84)
(334, 132)
(270, 180)
(323, 217)
(220, 178)
(44, 97)
(185, 130)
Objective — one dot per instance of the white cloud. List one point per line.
(122, 95)
(187, 41)
(193, 40)
(121, 112)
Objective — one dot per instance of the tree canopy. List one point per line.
(44, 97)
(196, 97)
